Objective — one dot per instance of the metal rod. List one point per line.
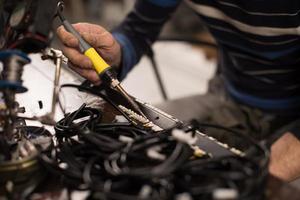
(158, 76)
(56, 85)
(120, 89)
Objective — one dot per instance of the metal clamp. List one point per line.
(58, 58)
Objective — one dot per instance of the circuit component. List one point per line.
(140, 120)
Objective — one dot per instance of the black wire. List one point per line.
(233, 172)
(113, 160)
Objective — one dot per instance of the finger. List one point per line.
(89, 28)
(100, 40)
(95, 35)
(105, 45)
(88, 74)
(109, 54)
(67, 38)
(77, 58)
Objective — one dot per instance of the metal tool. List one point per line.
(105, 71)
(58, 58)
(10, 84)
(140, 120)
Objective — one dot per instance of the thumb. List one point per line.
(67, 38)
(99, 40)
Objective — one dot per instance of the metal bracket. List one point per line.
(58, 58)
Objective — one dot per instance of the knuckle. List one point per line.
(59, 31)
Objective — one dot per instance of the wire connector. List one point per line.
(188, 138)
(138, 119)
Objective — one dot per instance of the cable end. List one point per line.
(60, 8)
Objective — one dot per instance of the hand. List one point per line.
(285, 158)
(97, 37)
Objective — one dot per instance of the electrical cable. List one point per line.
(119, 161)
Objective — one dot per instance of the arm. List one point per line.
(141, 28)
(131, 39)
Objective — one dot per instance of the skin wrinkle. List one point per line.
(95, 41)
(89, 35)
(96, 36)
(67, 38)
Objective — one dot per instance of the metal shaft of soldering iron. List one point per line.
(101, 67)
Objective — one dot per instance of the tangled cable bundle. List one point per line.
(118, 161)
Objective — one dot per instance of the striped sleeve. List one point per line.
(140, 29)
(258, 49)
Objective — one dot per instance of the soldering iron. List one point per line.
(105, 71)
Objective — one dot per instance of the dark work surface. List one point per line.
(276, 190)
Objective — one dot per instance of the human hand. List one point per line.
(285, 157)
(97, 37)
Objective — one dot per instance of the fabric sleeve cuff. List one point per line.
(129, 56)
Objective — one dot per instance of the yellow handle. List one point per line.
(99, 64)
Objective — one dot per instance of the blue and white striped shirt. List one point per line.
(258, 39)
